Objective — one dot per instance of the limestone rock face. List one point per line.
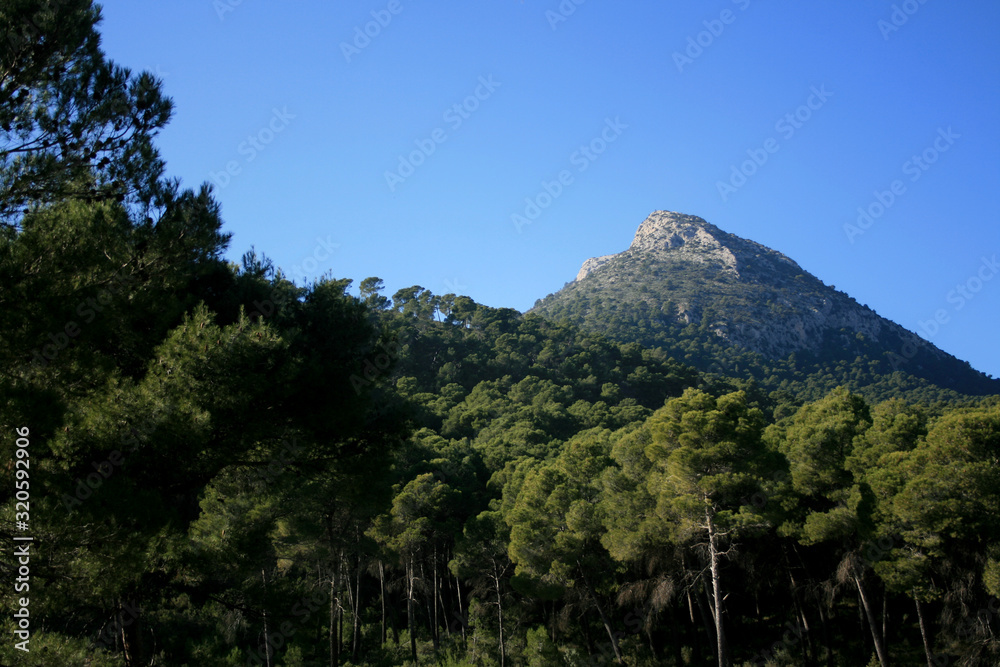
(709, 297)
(665, 233)
(758, 298)
(671, 236)
(591, 264)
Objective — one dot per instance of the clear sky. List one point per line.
(404, 153)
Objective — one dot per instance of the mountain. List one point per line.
(733, 306)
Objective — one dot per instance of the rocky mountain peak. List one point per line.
(678, 237)
(685, 285)
(669, 229)
(684, 237)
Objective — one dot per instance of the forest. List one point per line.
(227, 468)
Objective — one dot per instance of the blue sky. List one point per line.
(775, 121)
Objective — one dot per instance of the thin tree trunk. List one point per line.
(332, 631)
(923, 631)
(720, 636)
(428, 601)
(706, 623)
(344, 577)
(496, 583)
(461, 611)
(435, 594)
(808, 650)
(133, 645)
(604, 618)
(381, 584)
(800, 612)
(267, 644)
(879, 648)
(409, 609)
(356, 635)
(444, 609)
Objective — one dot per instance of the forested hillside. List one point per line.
(216, 466)
(734, 307)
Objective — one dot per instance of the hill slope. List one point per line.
(733, 306)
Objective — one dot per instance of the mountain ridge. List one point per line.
(681, 271)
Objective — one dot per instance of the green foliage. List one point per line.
(226, 464)
(738, 324)
(73, 123)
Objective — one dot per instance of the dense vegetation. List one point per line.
(230, 469)
(741, 325)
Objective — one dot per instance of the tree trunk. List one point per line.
(879, 648)
(267, 641)
(923, 631)
(435, 594)
(604, 618)
(334, 648)
(687, 592)
(409, 609)
(444, 609)
(133, 646)
(461, 611)
(713, 550)
(808, 650)
(356, 603)
(428, 601)
(800, 612)
(706, 623)
(381, 584)
(496, 585)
